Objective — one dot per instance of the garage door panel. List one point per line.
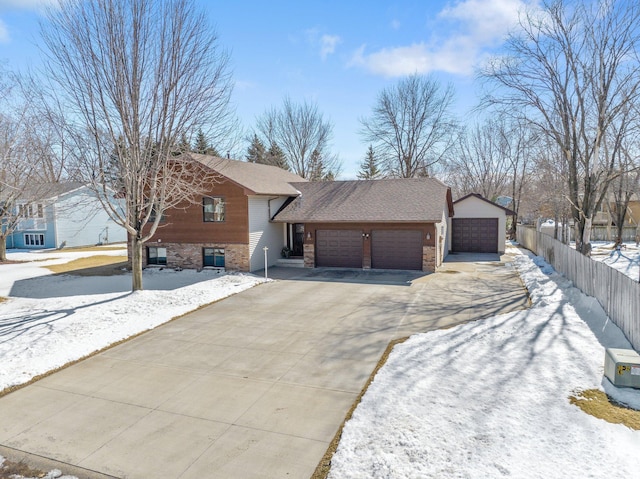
(339, 248)
(396, 249)
(474, 235)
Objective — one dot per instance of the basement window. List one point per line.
(156, 256)
(31, 239)
(213, 257)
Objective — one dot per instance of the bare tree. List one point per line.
(21, 179)
(411, 126)
(299, 130)
(573, 69)
(479, 162)
(134, 75)
(547, 187)
(519, 147)
(627, 176)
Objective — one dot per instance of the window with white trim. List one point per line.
(31, 210)
(33, 239)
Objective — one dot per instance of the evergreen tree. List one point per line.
(369, 167)
(275, 157)
(256, 153)
(202, 145)
(183, 145)
(317, 168)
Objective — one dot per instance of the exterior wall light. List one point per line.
(428, 236)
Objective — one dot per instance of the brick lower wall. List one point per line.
(429, 259)
(189, 255)
(309, 255)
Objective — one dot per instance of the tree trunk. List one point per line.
(586, 237)
(136, 264)
(3, 248)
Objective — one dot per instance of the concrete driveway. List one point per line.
(254, 386)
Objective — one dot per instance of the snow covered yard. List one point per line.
(490, 398)
(626, 260)
(48, 321)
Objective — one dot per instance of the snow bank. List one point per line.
(490, 398)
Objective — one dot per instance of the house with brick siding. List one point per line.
(379, 224)
(229, 226)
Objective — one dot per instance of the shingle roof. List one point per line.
(507, 211)
(47, 191)
(258, 179)
(398, 200)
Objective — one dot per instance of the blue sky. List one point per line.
(339, 54)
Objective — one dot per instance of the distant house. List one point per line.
(69, 214)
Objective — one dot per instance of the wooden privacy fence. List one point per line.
(618, 294)
(598, 233)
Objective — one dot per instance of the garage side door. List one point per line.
(396, 249)
(474, 235)
(339, 248)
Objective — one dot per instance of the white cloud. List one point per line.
(416, 58)
(325, 42)
(5, 5)
(25, 4)
(485, 20)
(328, 45)
(472, 27)
(4, 33)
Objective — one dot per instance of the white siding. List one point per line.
(473, 207)
(444, 234)
(264, 233)
(81, 221)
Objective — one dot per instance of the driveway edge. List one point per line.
(46, 464)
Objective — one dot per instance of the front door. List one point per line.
(297, 248)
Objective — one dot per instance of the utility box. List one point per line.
(622, 367)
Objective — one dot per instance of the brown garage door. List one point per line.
(396, 249)
(474, 235)
(339, 248)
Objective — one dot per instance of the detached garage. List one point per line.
(478, 226)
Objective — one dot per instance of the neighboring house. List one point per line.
(380, 224)
(632, 217)
(479, 225)
(229, 226)
(69, 214)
